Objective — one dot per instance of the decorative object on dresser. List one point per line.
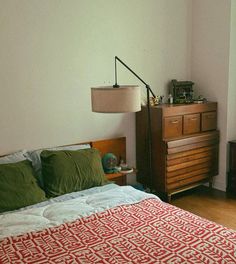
(121, 99)
(185, 146)
(231, 182)
(182, 91)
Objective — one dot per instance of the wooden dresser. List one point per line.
(185, 146)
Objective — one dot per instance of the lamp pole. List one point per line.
(149, 130)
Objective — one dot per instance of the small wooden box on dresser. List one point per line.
(185, 145)
(231, 182)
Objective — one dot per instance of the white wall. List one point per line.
(210, 64)
(231, 120)
(52, 52)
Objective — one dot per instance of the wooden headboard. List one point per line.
(117, 146)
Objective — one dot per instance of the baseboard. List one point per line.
(219, 186)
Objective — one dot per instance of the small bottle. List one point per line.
(170, 99)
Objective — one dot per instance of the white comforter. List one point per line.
(68, 208)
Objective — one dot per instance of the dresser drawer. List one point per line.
(172, 126)
(191, 124)
(209, 121)
(193, 142)
(189, 181)
(190, 160)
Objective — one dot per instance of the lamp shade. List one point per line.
(107, 99)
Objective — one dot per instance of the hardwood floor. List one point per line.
(212, 204)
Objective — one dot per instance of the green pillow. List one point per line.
(18, 186)
(66, 171)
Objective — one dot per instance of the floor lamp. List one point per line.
(123, 99)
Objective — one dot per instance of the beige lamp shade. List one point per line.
(107, 99)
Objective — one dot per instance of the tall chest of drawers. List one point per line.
(185, 145)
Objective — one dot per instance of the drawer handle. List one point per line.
(193, 118)
(174, 121)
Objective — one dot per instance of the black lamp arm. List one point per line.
(149, 133)
(135, 74)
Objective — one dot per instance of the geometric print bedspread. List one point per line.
(147, 232)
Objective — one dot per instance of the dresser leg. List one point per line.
(165, 197)
(168, 198)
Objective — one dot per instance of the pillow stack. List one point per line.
(28, 178)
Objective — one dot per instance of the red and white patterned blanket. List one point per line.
(147, 232)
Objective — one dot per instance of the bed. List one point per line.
(104, 223)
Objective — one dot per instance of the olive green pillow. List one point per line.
(66, 171)
(18, 186)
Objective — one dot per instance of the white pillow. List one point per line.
(14, 157)
(34, 157)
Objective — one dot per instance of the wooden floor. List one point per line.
(212, 204)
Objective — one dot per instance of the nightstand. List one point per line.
(116, 146)
(118, 178)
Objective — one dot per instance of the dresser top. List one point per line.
(183, 109)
